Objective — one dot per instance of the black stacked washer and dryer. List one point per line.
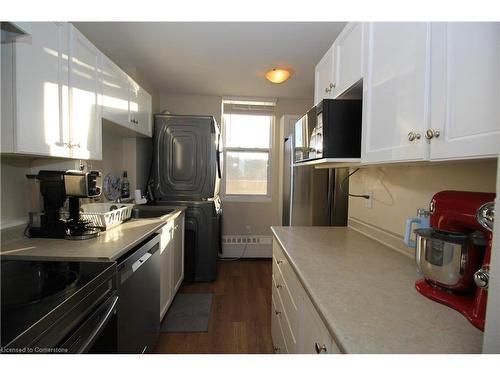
(187, 172)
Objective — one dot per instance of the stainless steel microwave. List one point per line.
(332, 129)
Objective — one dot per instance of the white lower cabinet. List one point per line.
(296, 326)
(172, 261)
(166, 245)
(178, 253)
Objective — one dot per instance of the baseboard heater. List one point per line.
(251, 246)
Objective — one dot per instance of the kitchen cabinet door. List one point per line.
(395, 91)
(178, 254)
(84, 95)
(465, 92)
(115, 93)
(140, 114)
(348, 57)
(324, 78)
(39, 90)
(314, 336)
(166, 246)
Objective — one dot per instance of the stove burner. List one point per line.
(35, 282)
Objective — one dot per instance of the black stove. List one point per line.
(44, 302)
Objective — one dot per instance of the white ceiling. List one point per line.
(212, 58)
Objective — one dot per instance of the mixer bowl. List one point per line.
(447, 259)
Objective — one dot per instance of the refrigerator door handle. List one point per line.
(331, 187)
(218, 152)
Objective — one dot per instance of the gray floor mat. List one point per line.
(189, 312)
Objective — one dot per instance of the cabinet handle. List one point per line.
(412, 136)
(319, 348)
(277, 349)
(330, 88)
(277, 312)
(279, 261)
(430, 133)
(77, 145)
(279, 286)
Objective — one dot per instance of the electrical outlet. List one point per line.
(369, 201)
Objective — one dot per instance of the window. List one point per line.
(247, 127)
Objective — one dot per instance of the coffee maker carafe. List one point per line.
(56, 187)
(454, 253)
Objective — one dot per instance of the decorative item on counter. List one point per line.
(112, 187)
(125, 186)
(420, 221)
(139, 199)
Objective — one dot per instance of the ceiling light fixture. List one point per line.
(278, 75)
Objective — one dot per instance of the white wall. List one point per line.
(399, 190)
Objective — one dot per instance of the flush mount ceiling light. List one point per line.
(278, 75)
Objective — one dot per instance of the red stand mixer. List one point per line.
(454, 253)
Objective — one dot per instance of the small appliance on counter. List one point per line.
(453, 254)
(56, 187)
(420, 221)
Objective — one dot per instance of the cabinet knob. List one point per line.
(330, 87)
(430, 133)
(412, 136)
(277, 312)
(279, 261)
(279, 286)
(277, 349)
(319, 348)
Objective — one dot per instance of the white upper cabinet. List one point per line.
(84, 94)
(395, 91)
(35, 113)
(324, 77)
(140, 112)
(115, 93)
(465, 94)
(348, 57)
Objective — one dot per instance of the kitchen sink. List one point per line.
(150, 212)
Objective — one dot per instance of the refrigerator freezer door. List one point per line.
(185, 157)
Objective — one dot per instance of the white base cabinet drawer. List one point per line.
(315, 337)
(296, 324)
(276, 332)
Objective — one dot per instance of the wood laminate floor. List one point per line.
(240, 321)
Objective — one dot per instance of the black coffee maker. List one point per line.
(56, 187)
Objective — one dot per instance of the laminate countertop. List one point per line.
(365, 293)
(110, 245)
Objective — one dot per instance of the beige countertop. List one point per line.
(110, 245)
(365, 293)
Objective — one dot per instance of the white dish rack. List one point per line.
(106, 215)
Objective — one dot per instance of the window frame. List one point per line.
(270, 181)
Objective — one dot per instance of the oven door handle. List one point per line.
(81, 342)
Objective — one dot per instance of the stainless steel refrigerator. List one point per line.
(316, 198)
(312, 196)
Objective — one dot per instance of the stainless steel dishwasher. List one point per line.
(139, 291)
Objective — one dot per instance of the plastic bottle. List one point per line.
(125, 186)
